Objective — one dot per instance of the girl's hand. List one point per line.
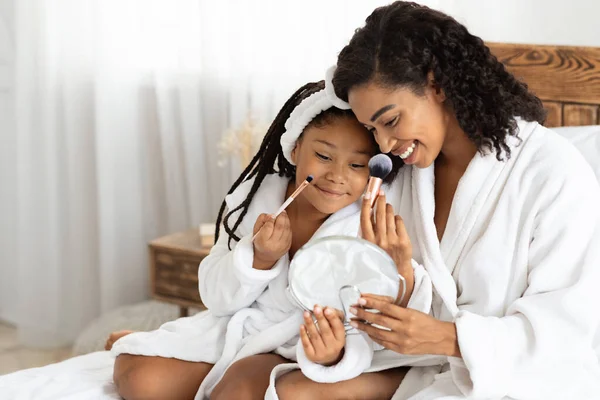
(387, 231)
(273, 241)
(411, 331)
(323, 344)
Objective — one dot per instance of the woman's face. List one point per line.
(405, 124)
(337, 156)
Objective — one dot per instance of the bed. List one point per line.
(567, 79)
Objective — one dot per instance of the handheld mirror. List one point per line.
(333, 271)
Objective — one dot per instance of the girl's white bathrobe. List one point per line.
(517, 270)
(249, 311)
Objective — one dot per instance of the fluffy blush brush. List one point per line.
(380, 167)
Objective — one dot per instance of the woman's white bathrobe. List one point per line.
(517, 270)
(249, 310)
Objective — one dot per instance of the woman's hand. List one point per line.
(323, 344)
(273, 241)
(411, 331)
(387, 231)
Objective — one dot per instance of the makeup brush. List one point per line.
(380, 167)
(289, 200)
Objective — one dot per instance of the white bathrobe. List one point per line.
(249, 310)
(517, 270)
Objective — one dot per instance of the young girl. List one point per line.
(242, 282)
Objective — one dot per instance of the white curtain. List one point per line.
(7, 162)
(119, 107)
(110, 111)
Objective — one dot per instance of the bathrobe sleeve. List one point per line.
(226, 279)
(422, 295)
(358, 354)
(543, 344)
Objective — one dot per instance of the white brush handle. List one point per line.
(274, 216)
(286, 204)
(283, 207)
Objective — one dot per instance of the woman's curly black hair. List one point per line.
(269, 158)
(402, 42)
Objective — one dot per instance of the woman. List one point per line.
(503, 214)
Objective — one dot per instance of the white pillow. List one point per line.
(145, 316)
(587, 141)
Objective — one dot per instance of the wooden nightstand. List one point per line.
(174, 262)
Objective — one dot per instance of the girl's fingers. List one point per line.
(267, 230)
(335, 321)
(324, 328)
(287, 232)
(260, 221)
(313, 333)
(309, 350)
(280, 223)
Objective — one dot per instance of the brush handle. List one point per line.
(283, 207)
(279, 211)
(373, 188)
(286, 204)
(291, 198)
(254, 237)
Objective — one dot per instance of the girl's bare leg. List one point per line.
(370, 386)
(248, 378)
(150, 378)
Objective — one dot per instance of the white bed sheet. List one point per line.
(85, 377)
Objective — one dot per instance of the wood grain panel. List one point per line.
(176, 275)
(578, 114)
(555, 114)
(555, 73)
(174, 263)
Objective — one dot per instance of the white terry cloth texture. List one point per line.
(517, 271)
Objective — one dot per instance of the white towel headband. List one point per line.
(306, 111)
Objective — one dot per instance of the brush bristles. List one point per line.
(310, 178)
(380, 166)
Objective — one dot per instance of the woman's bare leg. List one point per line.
(247, 378)
(370, 386)
(150, 378)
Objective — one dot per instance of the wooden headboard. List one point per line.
(565, 78)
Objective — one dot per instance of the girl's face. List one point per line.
(337, 156)
(408, 125)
